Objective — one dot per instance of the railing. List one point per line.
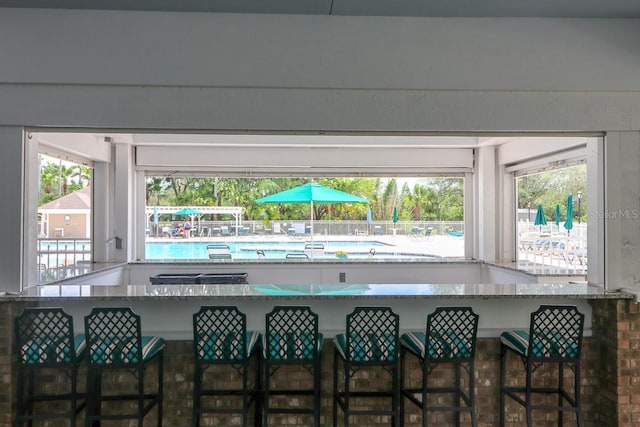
(62, 258)
(334, 227)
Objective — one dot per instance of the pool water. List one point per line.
(271, 250)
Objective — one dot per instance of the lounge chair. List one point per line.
(298, 229)
(276, 228)
(428, 232)
(296, 255)
(454, 233)
(314, 249)
(219, 251)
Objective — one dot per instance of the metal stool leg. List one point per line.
(503, 382)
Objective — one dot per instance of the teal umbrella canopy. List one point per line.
(558, 216)
(312, 192)
(540, 218)
(568, 224)
(188, 211)
(395, 215)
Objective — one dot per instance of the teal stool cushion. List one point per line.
(292, 346)
(448, 346)
(549, 344)
(367, 348)
(52, 350)
(223, 346)
(124, 350)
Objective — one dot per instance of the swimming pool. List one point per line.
(273, 250)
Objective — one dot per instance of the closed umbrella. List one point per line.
(568, 224)
(558, 216)
(540, 218)
(155, 221)
(395, 219)
(312, 193)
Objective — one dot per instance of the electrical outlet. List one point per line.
(343, 277)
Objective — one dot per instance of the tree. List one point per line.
(551, 188)
(58, 178)
(428, 199)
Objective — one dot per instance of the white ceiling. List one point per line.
(414, 8)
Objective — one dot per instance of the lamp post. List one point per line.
(579, 197)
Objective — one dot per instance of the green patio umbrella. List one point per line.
(568, 224)
(190, 212)
(311, 193)
(540, 218)
(558, 216)
(395, 215)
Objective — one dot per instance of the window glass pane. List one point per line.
(64, 219)
(223, 218)
(551, 218)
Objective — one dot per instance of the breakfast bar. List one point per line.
(166, 310)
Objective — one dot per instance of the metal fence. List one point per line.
(62, 258)
(330, 228)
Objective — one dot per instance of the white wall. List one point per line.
(210, 71)
(622, 212)
(11, 208)
(328, 273)
(172, 318)
(297, 51)
(307, 73)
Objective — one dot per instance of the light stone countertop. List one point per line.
(574, 288)
(324, 291)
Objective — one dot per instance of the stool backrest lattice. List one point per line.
(114, 336)
(372, 335)
(555, 333)
(451, 333)
(291, 334)
(219, 334)
(45, 336)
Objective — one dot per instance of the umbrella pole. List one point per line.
(311, 204)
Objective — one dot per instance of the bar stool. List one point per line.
(115, 343)
(554, 336)
(45, 341)
(220, 338)
(292, 339)
(371, 341)
(450, 339)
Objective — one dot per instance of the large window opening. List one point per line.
(64, 218)
(551, 218)
(441, 189)
(217, 217)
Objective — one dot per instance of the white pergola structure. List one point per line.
(236, 211)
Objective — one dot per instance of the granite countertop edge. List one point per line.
(600, 296)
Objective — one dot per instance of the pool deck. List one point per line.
(441, 246)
